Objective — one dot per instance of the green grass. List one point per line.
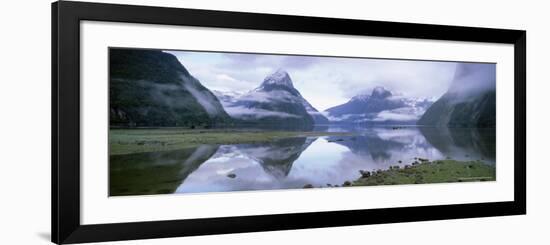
(440, 171)
(126, 141)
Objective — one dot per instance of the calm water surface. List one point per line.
(293, 162)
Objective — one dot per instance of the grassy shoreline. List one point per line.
(127, 141)
(439, 171)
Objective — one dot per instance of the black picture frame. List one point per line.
(66, 18)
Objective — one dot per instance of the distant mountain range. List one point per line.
(469, 102)
(380, 107)
(153, 89)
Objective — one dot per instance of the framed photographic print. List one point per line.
(177, 122)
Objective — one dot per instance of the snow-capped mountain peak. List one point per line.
(280, 77)
(275, 98)
(377, 93)
(381, 106)
(381, 93)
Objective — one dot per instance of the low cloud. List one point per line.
(340, 118)
(396, 115)
(473, 78)
(244, 112)
(275, 95)
(207, 100)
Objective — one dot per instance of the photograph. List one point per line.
(275, 122)
(186, 121)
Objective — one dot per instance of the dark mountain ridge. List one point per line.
(151, 88)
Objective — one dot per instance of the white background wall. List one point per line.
(25, 121)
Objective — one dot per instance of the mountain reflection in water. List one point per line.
(293, 162)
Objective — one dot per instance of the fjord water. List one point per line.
(294, 162)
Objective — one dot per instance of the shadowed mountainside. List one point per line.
(152, 88)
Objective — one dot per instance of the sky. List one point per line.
(324, 81)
